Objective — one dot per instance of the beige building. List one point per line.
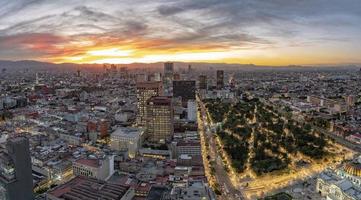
(146, 90)
(159, 124)
(100, 168)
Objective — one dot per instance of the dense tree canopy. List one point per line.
(266, 144)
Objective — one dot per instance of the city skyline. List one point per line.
(180, 99)
(210, 133)
(258, 32)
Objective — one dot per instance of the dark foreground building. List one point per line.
(184, 89)
(16, 180)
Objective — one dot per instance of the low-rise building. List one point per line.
(75, 139)
(355, 138)
(99, 168)
(88, 188)
(334, 187)
(195, 189)
(126, 139)
(192, 148)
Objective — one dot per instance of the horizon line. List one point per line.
(200, 62)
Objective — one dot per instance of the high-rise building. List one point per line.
(160, 124)
(184, 89)
(16, 179)
(202, 82)
(146, 90)
(191, 110)
(37, 79)
(168, 69)
(190, 69)
(168, 77)
(220, 79)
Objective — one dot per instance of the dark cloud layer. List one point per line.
(232, 24)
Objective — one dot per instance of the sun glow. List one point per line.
(186, 56)
(113, 52)
(126, 52)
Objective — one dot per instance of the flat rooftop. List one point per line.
(88, 188)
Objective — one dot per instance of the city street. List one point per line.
(229, 191)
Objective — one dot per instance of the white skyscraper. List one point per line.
(191, 110)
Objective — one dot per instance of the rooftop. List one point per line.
(188, 143)
(88, 188)
(88, 162)
(157, 193)
(344, 184)
(127, 132)
(160, 100)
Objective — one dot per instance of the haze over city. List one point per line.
(260, 32)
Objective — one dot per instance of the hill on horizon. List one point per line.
(39, 65)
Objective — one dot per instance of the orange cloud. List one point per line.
(123, 50)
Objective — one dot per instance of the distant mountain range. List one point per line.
(37, 65)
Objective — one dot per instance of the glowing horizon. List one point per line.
(236, 31)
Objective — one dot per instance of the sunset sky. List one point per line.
(264, 32)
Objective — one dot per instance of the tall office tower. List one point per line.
(160, 124)
(78, 73)
(168, 77)
(190, 69)
(220, 79)
(168, 69)
(37, 79)
(184, 89)
(192, 110)
(146, 90)
(16, 179)
(202, 82)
